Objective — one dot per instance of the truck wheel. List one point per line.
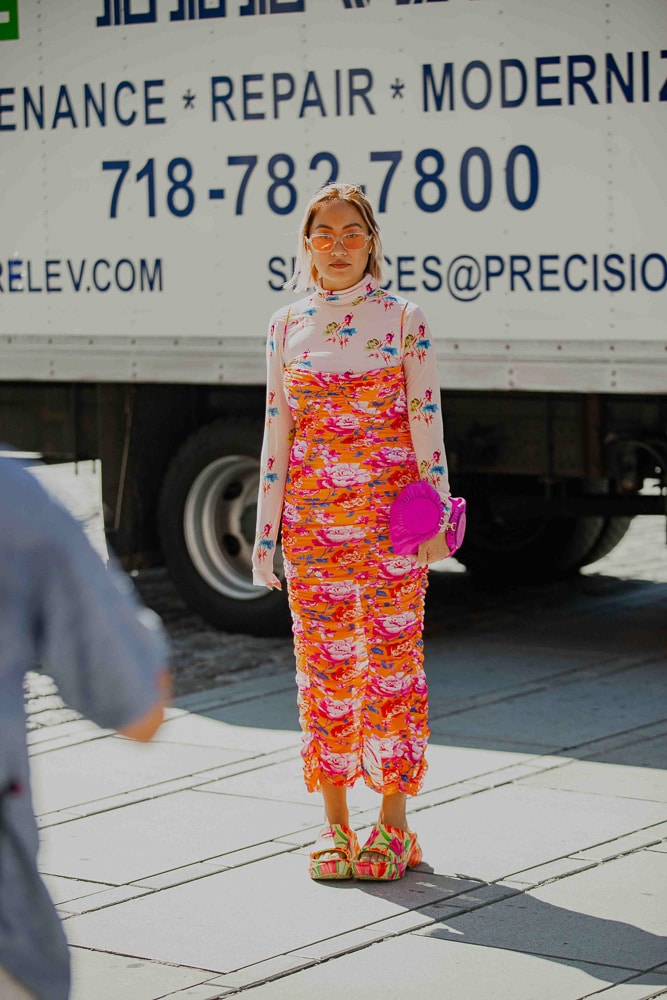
(614, 529)
(206, 521)
(530, 549)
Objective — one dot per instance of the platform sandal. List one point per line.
(334, 839)
(399, 849)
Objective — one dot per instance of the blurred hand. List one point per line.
(433, 550)
(145, 728)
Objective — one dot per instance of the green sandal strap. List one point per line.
(344, 842)
(388, 841)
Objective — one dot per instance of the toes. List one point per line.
(372, 856)
(333, 855)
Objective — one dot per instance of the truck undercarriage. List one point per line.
(552, 480)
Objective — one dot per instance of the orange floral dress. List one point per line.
(339, 446)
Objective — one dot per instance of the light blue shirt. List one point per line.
(61, 608)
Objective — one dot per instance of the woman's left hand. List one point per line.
(433, 550)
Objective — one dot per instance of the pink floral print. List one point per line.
(425, 408)
(352, 416)
(417, 345)
(357, 607)
(341, 332)
(384, 349)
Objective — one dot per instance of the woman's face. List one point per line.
(339, 267)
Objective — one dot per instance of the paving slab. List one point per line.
(254, 684)
(448, 765)
(99, 900)
(206, 730)
(611, 914)
(64, 734)
(188, 873)
(442, 735)
(256, 710)
(98, 975)
(633, 747)
(283, 780)
(240, 917)
(416, 966)
(203, 992)
(607, 779)
(158, 835)
(261, 971)
(647, 987)
(649, 837)
(602, 612)
(569, 714)
(459, 672)
(62, 890)
(493, 834)
(650, 751)
(71, 776)
(549, 871)
(182, 869)
(633, 620)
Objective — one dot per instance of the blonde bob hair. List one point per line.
(305, 274)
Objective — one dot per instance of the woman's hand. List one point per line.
(145, 728)
(433, 550)
(265, 577)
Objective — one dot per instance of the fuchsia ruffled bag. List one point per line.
(417, 515)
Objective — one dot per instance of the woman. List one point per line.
(353, 416)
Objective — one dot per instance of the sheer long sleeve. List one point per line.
(423, 395)
(278, 434)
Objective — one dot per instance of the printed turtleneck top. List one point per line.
(360, 329)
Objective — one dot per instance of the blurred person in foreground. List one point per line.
(61, 608)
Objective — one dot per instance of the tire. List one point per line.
(527, 550)
(614, 529)
(206, 523)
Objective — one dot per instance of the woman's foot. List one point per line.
(392, 815)
(387, 854)
(331, 857)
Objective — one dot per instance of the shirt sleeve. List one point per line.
(102, 647)
(274, 461)
(423, 396)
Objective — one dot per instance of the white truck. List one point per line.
(155, 158)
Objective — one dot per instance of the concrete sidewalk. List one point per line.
(180, 868)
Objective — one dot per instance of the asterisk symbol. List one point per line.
(189, 99)
(397, 87)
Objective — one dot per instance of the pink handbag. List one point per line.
(417, 515)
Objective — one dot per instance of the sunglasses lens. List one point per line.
(322, 243)
(354, 241)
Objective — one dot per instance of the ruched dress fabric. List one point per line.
(339, 446)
